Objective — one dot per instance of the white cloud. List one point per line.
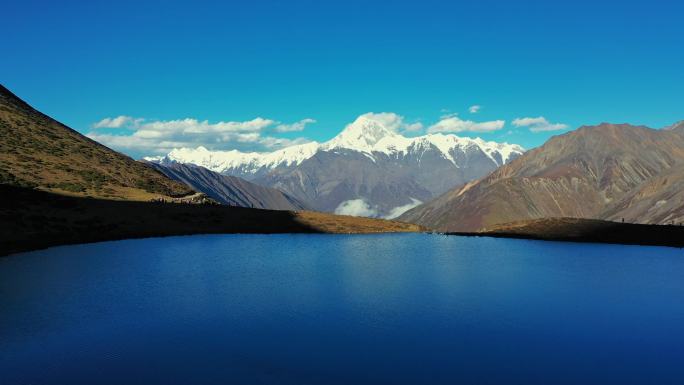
(194, 126)
(127, 143)
(523, 122)
(452, 123)
(360, 208)
(296, 126)
(118, 122)
(394, 122)
(356, 208)
(397, 211)
(474, 109)
(157, 137)
(539, 124)
(412, 127)
(388, 119)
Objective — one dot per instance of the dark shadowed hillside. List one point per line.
(589, 230)
(31, 219)
(229, 190)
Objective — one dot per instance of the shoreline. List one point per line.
(586, 231)
(33, 220)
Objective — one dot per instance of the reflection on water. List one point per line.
(398, 308)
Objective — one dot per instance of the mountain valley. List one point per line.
(60, 187)
(366, 170)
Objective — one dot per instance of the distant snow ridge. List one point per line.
(368, 169)
(364, 135)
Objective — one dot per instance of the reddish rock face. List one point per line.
(609, 171)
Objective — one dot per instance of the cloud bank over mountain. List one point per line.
(161, 136)
(146, 137)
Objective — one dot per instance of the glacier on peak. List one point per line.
(365, 135)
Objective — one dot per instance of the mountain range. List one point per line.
(616, 172)
(610, 172)
(367, 169)
(37, 151)
(229, 190)
(60, 187)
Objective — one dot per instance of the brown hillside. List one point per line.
(580, 174)
(37, 151)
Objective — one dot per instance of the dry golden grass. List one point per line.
(37, 151)
(329, 223)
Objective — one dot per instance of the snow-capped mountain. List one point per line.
(365, 135)
(376, 169)
(248, 165)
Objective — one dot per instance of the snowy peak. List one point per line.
(370, 134)
(246, 162)
(368, 137)
(447, 145)
(361, 135)
(337, 175)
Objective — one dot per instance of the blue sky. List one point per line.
(571, 62)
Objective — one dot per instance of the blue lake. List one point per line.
(357, 309)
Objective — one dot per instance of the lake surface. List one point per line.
(337, 309)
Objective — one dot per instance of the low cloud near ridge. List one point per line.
(393, 122)
(356, 208)
(360, 208)
(397, 211)
(139, 136)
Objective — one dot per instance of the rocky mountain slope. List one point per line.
(658, 200)
(600, 172)
(229, 190)
(367, 167)
(37, 151)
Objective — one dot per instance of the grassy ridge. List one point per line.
(37, 151)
